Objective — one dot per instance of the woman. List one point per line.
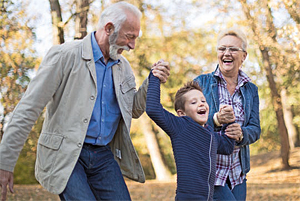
(232, 97)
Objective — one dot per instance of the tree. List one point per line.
(292, 7)
(17, 60)
(57, 23)
(81, 18)
(162, 173)
(17, 57)
(265, 37)
(288, 118)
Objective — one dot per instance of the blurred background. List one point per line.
(183, 32)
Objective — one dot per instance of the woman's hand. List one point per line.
(226, 114)
(234, 131)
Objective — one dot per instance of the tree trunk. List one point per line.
(288, 119)
(276, 99)
(161, 171)
(57, 24)
(82, 8)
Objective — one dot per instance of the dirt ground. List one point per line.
(266, 182)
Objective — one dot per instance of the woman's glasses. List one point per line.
(223, 49)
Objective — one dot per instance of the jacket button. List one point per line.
(85, 121)
(79, 144)
(92, 97)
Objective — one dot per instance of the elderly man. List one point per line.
(91, 97)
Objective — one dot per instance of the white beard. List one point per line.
(113, 51)
(113, 47)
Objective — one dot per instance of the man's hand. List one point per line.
(161, 69)
(6, 177)
(226, 114)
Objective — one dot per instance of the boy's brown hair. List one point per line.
(179, 99)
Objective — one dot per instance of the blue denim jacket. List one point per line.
(251, 127)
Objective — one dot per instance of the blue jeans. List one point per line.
(96, 176)
(239, 192)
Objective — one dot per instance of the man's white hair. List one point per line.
(117, 14)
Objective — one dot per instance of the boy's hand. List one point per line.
(161, 70)
(234, 131)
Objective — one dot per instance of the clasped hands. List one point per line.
(226, 115)
(161, 69)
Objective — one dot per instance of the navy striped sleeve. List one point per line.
(155, 110)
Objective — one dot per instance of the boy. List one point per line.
(194, 143)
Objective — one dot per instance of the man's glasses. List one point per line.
(223, 49)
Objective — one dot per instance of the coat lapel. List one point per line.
(87, 55)
(215, 93)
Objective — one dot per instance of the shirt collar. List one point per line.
(97, 53)
(242, 77)
(96, 49)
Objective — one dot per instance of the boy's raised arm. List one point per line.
(154, 109)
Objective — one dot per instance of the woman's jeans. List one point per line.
(96, 176)
(225, 193)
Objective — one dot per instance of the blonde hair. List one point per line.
(234, 32)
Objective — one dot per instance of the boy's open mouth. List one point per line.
(201, 112)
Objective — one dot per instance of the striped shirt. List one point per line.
(195, 147)
(229, 166)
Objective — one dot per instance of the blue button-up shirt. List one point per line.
(106, 114)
